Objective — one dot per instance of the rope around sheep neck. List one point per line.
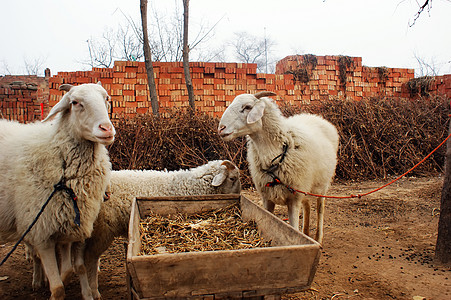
(60, 186)
(277, 181)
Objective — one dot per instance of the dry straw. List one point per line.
(221, 229)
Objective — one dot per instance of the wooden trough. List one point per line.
(288, 266)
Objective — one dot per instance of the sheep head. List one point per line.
(86, 107)
(227, 178)
(243, 116)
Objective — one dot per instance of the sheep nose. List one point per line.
(106, 127)
(221, 129)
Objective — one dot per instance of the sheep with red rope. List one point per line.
(299, 151)
(52, 179)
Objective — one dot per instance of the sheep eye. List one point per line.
(246, 107)
(76, 103)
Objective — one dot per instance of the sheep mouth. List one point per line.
(224, 135)
(106, 139)
(227, 136)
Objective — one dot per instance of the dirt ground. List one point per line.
(377, 247)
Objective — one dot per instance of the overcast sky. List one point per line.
(376, 30)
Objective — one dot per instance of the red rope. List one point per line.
(370, 192)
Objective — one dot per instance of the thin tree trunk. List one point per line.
(148, 60)
(443, 246)
(189, 83)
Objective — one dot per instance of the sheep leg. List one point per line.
(92, 267)
(320, 207)
(268, 205)
(305, 215)
(66, 268)
(38, 274)
(294, 207)
(93, 251)
(80, 269)
(46, 252)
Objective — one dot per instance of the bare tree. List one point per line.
(189, 84)
(427, 67)
(165, 39)
(252, 49)
(120, 44)
(167, 42)
(101, 52)
(148, 60)
(427, 4)
(130, 44)
(34, 66)
(5, 69)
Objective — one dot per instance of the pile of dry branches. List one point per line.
(378, 138)
(179, 140)
(221, 229)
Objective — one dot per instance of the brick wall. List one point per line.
(298, 79)
(320, 77)
(23, 98)
(442, 85)
(215, 85)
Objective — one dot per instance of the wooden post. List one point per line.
(189, 83)
(148, 60)
(443, 246)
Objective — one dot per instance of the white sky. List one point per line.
(376, 30)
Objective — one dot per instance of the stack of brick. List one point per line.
(104, 75)
(215, 85)
(23, 98)
(344, 77)
(298, 79)
(442, 85)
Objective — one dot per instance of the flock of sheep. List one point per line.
(59, 170)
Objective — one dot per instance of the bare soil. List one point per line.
(377, 247)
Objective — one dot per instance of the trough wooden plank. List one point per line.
(184, 204)
(199, 273)
(133, 248)
(288, 266)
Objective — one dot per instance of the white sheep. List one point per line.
(35, 157)
(215, 177)
(300, 151)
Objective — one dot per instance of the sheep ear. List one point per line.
(62, 105)
(220, 178)
(229, 165)
(99, 83)
(256, 112)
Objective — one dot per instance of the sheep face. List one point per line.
(242, 117)
(87, 106)
(227, 180)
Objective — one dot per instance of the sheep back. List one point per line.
(125, 185)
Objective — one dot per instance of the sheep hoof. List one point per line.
(66, 277)
(58, 293)
(98, 297)
(36, 285)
